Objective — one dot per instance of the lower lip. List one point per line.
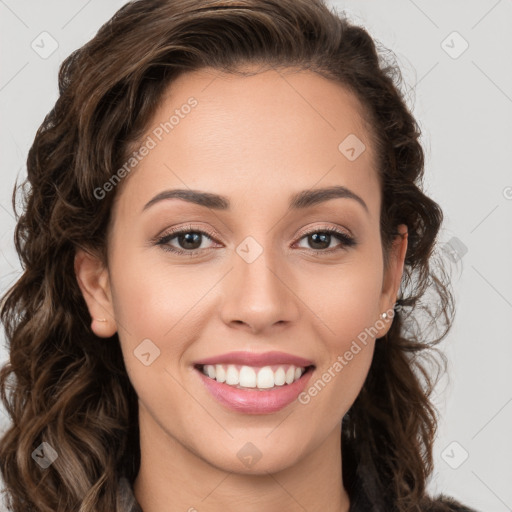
(252, 401)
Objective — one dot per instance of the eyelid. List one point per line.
(211, 234)
(175, 231)
(347, 239)
(322, 228)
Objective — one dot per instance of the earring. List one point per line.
(383, 316)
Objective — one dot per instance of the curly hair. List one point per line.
(62, 384)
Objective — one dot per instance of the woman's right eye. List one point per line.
(189, 240)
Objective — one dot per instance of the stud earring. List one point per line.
(383, 316)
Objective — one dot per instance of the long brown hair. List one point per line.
(67, 387)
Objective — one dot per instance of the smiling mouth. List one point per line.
(262, 378)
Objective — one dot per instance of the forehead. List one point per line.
(285, 130)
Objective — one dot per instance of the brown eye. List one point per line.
(190, 240)
(185, 241)
(320, 240)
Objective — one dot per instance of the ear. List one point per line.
(393, 271)
(93, 280)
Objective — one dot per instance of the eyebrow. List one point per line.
(300, 200)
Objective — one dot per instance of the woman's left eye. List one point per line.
(190, 241)
(322, 238)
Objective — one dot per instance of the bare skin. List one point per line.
(257, 141)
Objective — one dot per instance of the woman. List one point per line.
(225, 244)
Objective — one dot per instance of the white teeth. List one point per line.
(232, 375)
(290, 375)
(266, 378)
(253, 377)
(220, 373)
(247, 377)
(211, 371)
(279, 377)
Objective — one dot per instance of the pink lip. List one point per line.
(253, 401)
(254, 359)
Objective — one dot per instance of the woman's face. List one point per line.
(266, 277)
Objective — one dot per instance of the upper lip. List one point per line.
(256, 359)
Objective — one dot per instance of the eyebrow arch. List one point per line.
(311, 197)
(300, 200)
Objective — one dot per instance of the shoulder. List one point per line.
(443, 503)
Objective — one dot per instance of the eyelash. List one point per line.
(346, 240)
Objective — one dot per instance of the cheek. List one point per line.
(152, 299)
(345, 300)
(344, 297)
(158, 310)
(347, 336)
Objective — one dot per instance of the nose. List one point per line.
(259, 295)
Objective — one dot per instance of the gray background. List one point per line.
(463, 102)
